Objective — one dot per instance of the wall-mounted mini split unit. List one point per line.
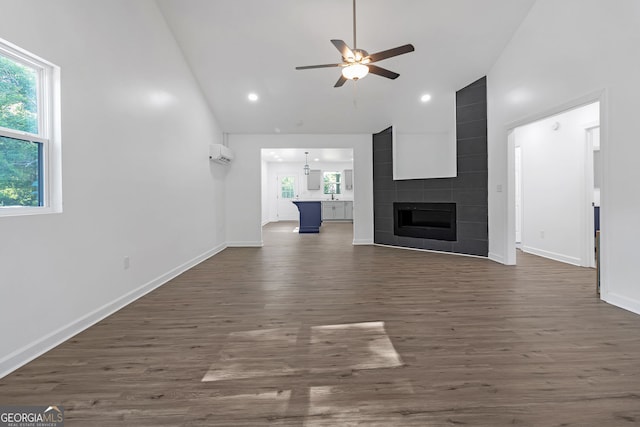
(220, 154)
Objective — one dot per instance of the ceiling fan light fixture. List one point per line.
(355, 71)
(355, 62)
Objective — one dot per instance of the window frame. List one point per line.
(48, 135)
(337, 182)
(293, 187)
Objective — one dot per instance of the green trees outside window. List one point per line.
(331, 182)
(20, 159)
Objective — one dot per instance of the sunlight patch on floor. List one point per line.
(267, 403)
(272, 352)
(342, 405)
(352, 346)
(253, 354)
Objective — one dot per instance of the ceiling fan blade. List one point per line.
(374, 69)
(379, 56)
(343, 48)
(340, 81)
(308, 67)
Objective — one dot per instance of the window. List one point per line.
(331, 182)
(26, 125)
(287, 190)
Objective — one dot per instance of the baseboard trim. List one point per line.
(362, 242)
(31, 351)
(497, 258)
(552, 255)
(245, 244)
(431, 251)
(623, 302)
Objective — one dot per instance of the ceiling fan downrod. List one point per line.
(355, 46)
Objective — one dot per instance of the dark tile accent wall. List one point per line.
(468, 190)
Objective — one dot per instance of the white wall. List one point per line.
(565, 53)
(244, 182)
(554, 185)
(136, 178)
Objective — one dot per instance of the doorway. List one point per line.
(287, 188)
(284, 179)
(593, 171)
(518, 170)
(557, 185)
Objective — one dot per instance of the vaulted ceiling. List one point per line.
(237, 47)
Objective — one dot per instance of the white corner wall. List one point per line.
(565, 53)
(243, 185)
(137, 181)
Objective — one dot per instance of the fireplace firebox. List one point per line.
(425, 220)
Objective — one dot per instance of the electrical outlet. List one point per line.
(542, 234)
(126, 263)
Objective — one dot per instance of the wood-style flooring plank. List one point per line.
(312, 331)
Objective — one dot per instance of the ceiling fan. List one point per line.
(357, 63)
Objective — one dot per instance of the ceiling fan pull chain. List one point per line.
(355, 94)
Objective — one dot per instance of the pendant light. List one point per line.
(306, 163)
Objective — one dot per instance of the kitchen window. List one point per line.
(331, 182)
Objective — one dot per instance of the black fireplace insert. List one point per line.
(425, 220)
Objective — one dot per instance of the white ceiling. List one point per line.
(235, 47)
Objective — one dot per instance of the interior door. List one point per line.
(286, 191)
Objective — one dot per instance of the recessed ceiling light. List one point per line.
(316, 160)
(425, 98)
(252, 97)
(279, 160)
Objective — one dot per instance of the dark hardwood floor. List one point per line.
(312, 331)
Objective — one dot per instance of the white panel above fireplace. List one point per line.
(423, 155)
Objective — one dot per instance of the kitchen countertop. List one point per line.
(322, 200)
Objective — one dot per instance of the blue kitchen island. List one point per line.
(310, 215)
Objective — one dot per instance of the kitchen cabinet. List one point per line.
(348, 210)
(329, 210)
(337, 210)
(348, 179)
(314, 179)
